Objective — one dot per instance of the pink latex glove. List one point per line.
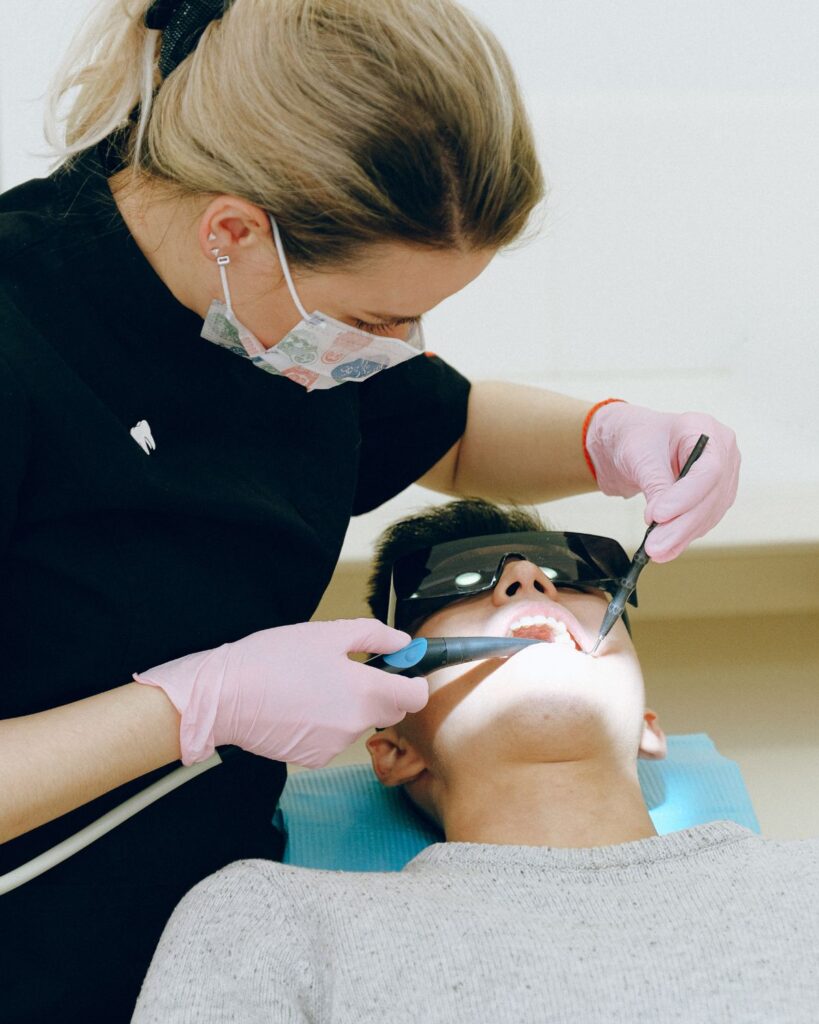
(635, 449)
(289, 693)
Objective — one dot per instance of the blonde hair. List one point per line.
(352, 121)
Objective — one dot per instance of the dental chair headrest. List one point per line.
(344, 819)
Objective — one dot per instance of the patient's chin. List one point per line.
(527, 725)
(537, 705)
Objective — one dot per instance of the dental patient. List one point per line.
(552, 898)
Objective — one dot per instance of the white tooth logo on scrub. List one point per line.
(141, 433)
(319, 352)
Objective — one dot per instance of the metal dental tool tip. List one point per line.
(639, 562)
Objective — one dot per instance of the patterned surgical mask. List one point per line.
(319, 352)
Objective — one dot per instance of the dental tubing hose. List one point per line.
(639, 562)
(416, 659)
(127, 809)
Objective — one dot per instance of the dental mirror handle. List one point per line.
(639, 562)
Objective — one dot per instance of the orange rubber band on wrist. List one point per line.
(586, 422)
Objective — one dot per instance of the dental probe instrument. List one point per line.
(426, 654)
(639, 562)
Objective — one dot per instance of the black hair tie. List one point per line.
(182, 23)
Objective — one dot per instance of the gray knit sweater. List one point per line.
(710, 924)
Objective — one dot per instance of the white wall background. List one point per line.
(678, 262)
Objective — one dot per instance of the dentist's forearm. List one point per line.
(56, 760)
(522, 444)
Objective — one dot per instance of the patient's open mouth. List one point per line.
(543, 627)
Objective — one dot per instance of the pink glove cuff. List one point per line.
(197, 703)
(587, 423)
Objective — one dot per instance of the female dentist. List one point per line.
(306, 179)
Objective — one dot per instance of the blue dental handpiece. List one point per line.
(426, 654)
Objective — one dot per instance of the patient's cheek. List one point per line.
(448, 688)
(419, 729)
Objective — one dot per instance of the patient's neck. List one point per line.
(563, 804)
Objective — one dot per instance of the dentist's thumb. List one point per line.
(400, 695)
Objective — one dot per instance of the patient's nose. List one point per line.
(522, 579)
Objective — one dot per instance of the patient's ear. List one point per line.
(653, 745)
(395, 760)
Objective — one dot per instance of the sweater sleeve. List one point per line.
(232, 950)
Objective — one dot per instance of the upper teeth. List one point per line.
(559, 629)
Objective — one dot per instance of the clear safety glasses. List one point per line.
(431, 577)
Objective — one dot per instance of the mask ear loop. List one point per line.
(251, 346)
(286, 270)
(222, 262)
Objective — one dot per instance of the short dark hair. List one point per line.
(457, 520)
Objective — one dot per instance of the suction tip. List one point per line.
(597, 643)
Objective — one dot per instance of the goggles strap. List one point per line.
(393, 601)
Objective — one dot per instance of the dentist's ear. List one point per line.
(653, 745)
(395, 760)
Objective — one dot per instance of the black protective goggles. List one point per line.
(431, 577)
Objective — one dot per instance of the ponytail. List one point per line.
(111, 64)
(352, 121)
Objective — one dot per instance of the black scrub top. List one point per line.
(113, 560)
